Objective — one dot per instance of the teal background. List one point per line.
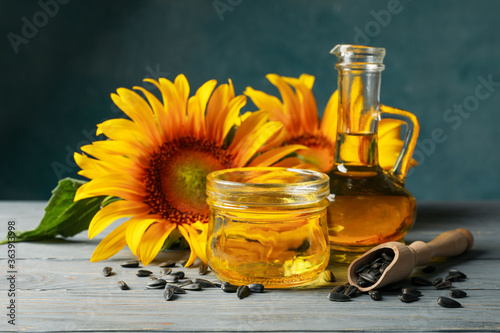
(56, 88)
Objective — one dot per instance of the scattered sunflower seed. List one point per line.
(184, 283)
(457, 293)
(171, 278)
(123, 285)
(437, 281)
(130, 264)
(351, 291)
(177, 289)
(328, 276)
(151, 278)
(443, 285)
(165, 271)
(180, 274)
(446, 302)
(192, 286)
(338, 297)
(339, 289)
(156, 284)
(204, 283)
(217, 283)
(243, 291)
(375, 295)
(411, 291)
(429, 269)
(256, 287)
(408, 298)
(143, 273)
(454, 276)
(228, 287)
(168, 294)
(457, 272)
(106, 271)
(183, 262)
(169, 263)
(203, 270)
(418, 281)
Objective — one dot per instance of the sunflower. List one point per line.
(299, 113)
(157, 161)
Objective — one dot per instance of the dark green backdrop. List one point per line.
(61, 62)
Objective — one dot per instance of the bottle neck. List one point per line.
(358, 116)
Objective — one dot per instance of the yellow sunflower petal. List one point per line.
(329, 122)
(289, 162)
(290, 102)
(110, 213)
(139, 111)
(152, 241)
(112, 184)
(159, 111)
(196, 243)
(255, 140)
(255, 120)
(273, 155)
(264, 101)
(111, 244)
(217, 107)
(232, 116)
(123, 130)
(136, 229)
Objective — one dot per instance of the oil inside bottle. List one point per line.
(369, 207)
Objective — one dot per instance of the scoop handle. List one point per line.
(448, 244)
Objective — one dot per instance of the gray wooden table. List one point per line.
(58, 289)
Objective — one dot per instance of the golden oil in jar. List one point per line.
(268, 225)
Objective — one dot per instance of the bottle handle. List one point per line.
(400, 168)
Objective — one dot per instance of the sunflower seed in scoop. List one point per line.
(168, 294)
(130, 264)
(446, 302)
(192, 286)
(143, 273)
(106, 271)
(338, 297)
(256, 287)
(123, 285)
(169, 263)
(243, 291)
(156, 284)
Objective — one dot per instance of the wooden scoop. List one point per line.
(406, 257)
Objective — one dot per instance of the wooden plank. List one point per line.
(58, 289)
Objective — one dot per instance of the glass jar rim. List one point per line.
(256, 186)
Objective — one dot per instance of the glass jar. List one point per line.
(267, 225)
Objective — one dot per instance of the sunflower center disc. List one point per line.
(176, 178)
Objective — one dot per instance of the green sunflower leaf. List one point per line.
(63, 216)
